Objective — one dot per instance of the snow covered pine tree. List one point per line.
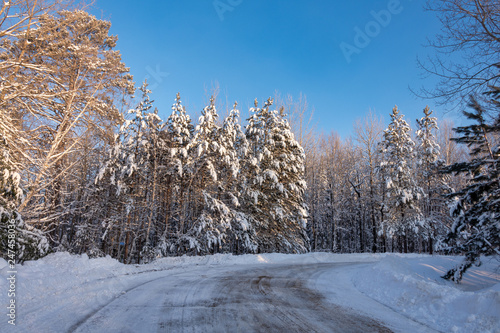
(235, 145)
(396, 166)
(179, 134)
(274, 192)
(133, 171)
(209, 232)
(219, 226)
(432, 181)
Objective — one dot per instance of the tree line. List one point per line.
(171, 188)
(383, 189)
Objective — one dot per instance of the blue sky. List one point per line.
(252, 49)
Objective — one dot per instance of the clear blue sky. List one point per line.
(253, 48)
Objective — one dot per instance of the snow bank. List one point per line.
(411, 285)
(52, 291)
(265, 258)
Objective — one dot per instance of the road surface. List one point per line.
(274, 298)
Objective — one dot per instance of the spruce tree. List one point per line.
(476, 210)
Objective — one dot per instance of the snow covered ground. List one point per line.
(403, 293)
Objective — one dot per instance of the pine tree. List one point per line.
(397, 169)
(63, 78)
(133, 169)
(275, 188)
(212, 217)
(432, 182)
(179, 132)
(476, 210)
(235, 147)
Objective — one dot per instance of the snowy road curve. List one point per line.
(313, 292)
(244, 299)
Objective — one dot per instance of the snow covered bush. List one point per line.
(18, 240)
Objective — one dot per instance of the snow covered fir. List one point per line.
(117, 215)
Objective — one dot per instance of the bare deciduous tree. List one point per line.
(300, 117)
(368, 132)
(467, 49)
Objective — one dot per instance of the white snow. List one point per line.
(404, 292)
(412, 286)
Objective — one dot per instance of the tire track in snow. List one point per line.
(260, 299)
(83, 320)
(252, 298)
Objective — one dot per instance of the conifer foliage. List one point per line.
(18, 241)
(176, 189)
(430, 179)
(275, 185)
(397, 149)
(476, 227)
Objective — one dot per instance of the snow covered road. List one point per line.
(256, 299)
(316, 292)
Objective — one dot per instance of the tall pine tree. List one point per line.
(397, 149)
(212, 217)
(179, 135)
(134, 169)
(431, 180)
(275, 188)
